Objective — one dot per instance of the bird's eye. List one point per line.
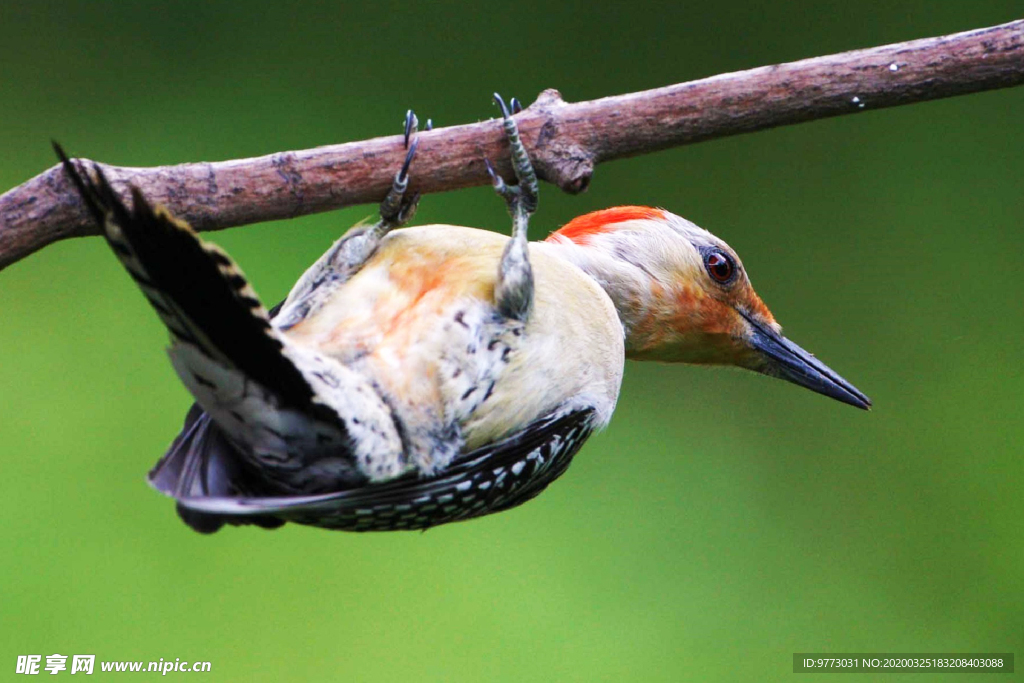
(720, 266)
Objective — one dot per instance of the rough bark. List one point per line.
(565, 140)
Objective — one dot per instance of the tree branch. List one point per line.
(565, 140)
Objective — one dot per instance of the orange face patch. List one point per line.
(687, 324)
(754, 304)
(582, 228)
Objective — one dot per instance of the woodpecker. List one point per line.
(425, 375)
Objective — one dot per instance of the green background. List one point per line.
(722, 522)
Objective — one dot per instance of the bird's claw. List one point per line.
(523, 196)
(397, 208)
(507, 192)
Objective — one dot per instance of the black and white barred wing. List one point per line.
(489, 479)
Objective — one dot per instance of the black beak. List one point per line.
(786, 360)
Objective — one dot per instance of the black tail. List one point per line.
(207, 305)
(200, 294)
(202, 462)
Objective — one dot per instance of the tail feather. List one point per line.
(261, 428)
(202, 462)
(199, 292)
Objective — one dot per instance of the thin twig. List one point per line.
(565, 140)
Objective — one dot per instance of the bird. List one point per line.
(417, 376)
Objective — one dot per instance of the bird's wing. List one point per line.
(198, 291)
(494, 477)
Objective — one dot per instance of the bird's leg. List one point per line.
(397, 209)
(357, 246)
(354, 249)
(514, 290)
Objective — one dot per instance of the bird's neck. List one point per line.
(635, 292)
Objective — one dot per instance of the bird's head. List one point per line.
(683, 296)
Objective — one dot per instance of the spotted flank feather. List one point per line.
(492, 478)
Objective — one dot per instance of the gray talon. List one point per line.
(403, 174)
(495, 178)
(522, 197)
(397, 209)
(410, 125)
(506, 192)
(501, 103)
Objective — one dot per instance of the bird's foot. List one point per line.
(398, 208)
(513, 291)
(521, 198)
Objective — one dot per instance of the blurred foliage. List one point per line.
(723, 521)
